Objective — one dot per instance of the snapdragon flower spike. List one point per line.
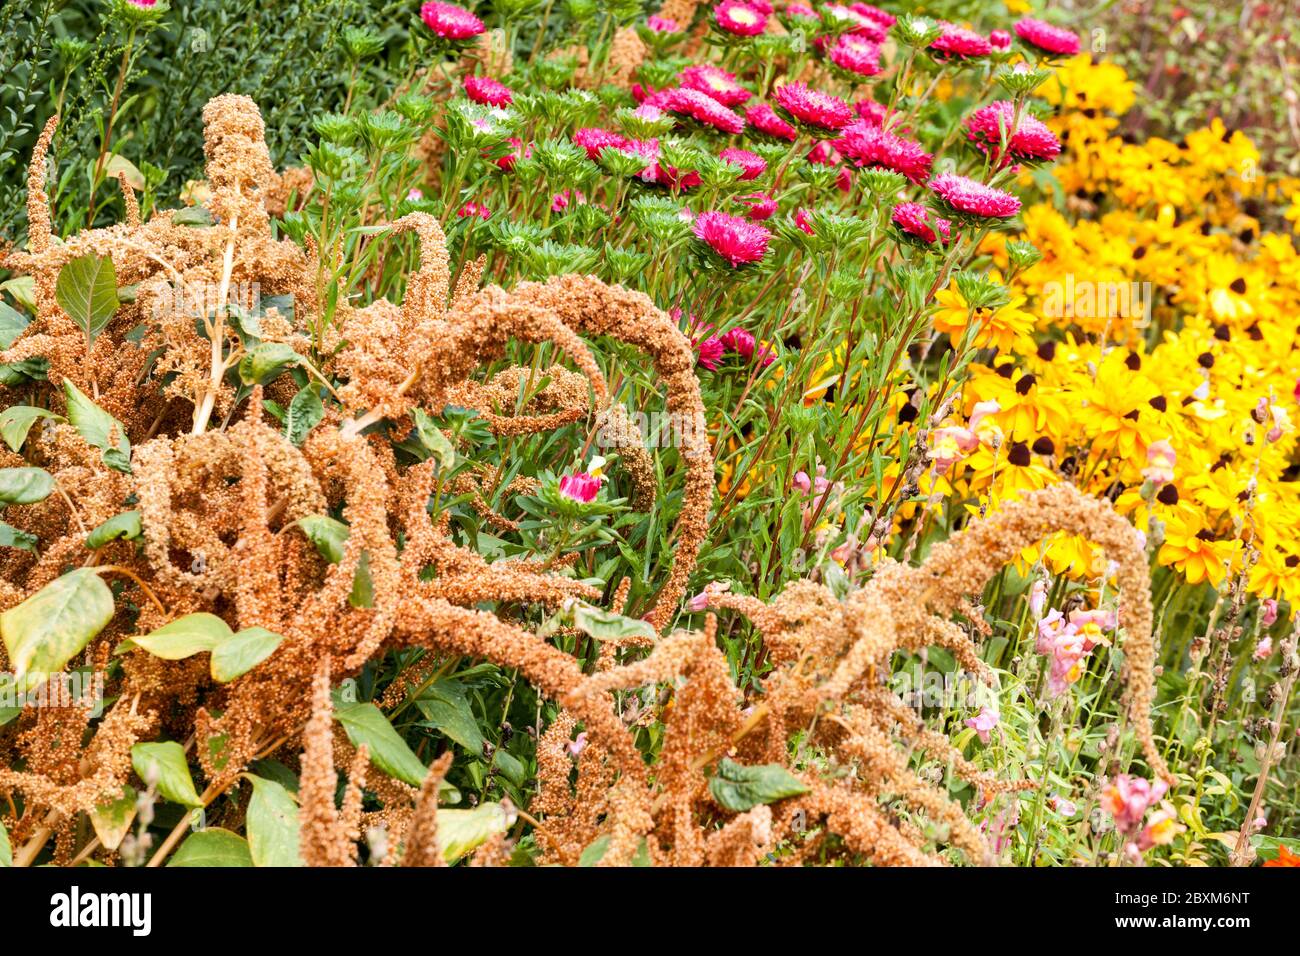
(1030, 142)
(714, 82)
(701, 108)
(764, 119)
(815, 110)
(752, 164)
(865, 144)
(856, 55)
(484, 89)
(451, 22)
(973, 199)
(1045, 37)
(913, 219)
(958, 43)
(580, 486)
(736, 241)
(739, 19)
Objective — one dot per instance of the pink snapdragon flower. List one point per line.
(580, 486)
(1269, 617)
(983, 723)
(1161, 459)
(1128, 798)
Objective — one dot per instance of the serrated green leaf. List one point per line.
(213, 847)
(739, 788)
(123, 527)
(24, 486)
(240, 653)
(87, 290)
(164, 765)
(17, 420)
(99, 429)
(327, 534)
(52, 626)
(272, 824)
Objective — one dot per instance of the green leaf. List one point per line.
(240, 653)
(265, 362)
(460, 831)
(6, 851)
(327, 534)
(11, 537)
(272, 824)
(17, 420)
(363, 585)
(112, 820)
(116, 164)
(23, 289)
(100, 429)
(739, 788)
(446, 708)
(192, 216)
(213, 847)
(366, 724)
(164, 765)
(48, 629)
(305, 413)
(608, 626)
(87, 291)
(432, 437)
(594, 852)
(12, 323)
(24, 486)
(123, 527)
(20, 373)
(185, 636)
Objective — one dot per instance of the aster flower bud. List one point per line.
(916, 31)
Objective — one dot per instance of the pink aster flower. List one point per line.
(662, 25)
(1000, 40)
(714, 82)
(868, 145)
(914, 219)
(973, 198)
(709, 352)
(752, 164)
(860, 24)
(1048, 38)
(414, 194)
(761, 206)
(450, 21)
(742, 342)
(1031, 141)
(595, 139)
(799, 11)
(884, 18)
(517, 152)
(856, 54)
(764, 119)
(740, 19)
(983, 723)
(580, 486)
(736, 240)
(959, 43)
(472, 209)
(813, 107)
(484, 89)
(871, 111)
(802, 220)
(703, 109)
(562, 200)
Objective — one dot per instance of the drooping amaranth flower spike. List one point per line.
(740, 19)
(959, 43)
(484, 89)
(865, 144)
(703, 109)
(736, 240)
(1048, 38)
(813, 107)
(973, 198)
(714, 82)
(580, 487)
(450, 21)
(1031, 141)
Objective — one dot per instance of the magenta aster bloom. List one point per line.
(1031, 141)
(1046, 37)
(867, 145)
(764, 119)
(799, 11)
(714, 82)
(740, 19)
(662, 25)
(146, 4)
(752, 164)
(580, 487)
(973, 198)
(803, 220)
(450, 21)
(871, 111)
(885, 19)
(709, 352)
(856, 54)
(484, 89)
(703, 109)
(517, 152)
(1000, 40)
(813, 107)
(761, 206)
(959, 43)
(738, 241)
(595, 139)
(472, 209)
(861, 25)
(914, 219)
